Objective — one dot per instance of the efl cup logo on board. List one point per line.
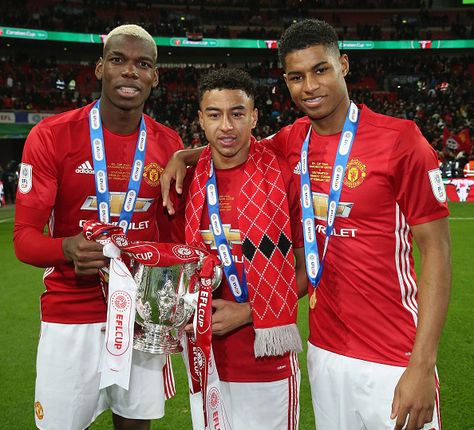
(211, 194)
(137, 170)
(216, 225)
(95, 118)
(309, 230)
(337, 180)
(353, 113)
(346, 142)
(98, 150)
(225, 256)
(142, 140)
(25, 179)
(306, 195)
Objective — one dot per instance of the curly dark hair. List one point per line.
(306, 33)
(227, 79)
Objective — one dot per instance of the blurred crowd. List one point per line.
(377, 19)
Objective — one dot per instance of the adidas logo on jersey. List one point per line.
(85, 168)
(297, 169)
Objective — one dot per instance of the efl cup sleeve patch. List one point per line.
(25, 181)
(437, 185)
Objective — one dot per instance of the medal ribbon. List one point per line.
(100, 170)
(238, 287)
(314, 266)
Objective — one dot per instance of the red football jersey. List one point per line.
(234, 353)
(367, 299)
(58, 177)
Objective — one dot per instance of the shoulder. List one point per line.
(373, 119)
(162, 131)
(65, 119)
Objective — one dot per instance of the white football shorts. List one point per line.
(352, 394)
(67, 393)
(256, 405)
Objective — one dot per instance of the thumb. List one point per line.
(395, 405)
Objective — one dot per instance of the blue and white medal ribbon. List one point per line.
(239, 288)
(100, 170)
(314, 267)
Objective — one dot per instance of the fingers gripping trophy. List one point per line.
(148, 305)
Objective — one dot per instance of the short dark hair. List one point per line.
(227, 79)
(306, 33)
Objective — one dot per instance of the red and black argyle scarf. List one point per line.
(264, 224)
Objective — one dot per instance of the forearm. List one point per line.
(189, 156)
(301, 276)
(32, 246)
(433, 299)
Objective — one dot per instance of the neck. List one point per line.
(332, 123)
(119, 121)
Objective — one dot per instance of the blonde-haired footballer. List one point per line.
(58, 178)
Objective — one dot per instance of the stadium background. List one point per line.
(411, 59)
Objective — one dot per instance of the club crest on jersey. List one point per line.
(355, 173)
(152, 173)
(437, 185)
(25, 180)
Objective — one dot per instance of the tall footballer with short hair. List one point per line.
(369, 184)
(58, 189)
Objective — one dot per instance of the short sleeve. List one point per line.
(419, 189)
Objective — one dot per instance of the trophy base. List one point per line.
(157, 342)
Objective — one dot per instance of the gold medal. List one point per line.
(312, 300)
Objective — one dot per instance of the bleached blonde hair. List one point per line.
(134, 31)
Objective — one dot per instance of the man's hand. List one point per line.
(229, 315)
(175, 171)
(86, 254)
(415, 396)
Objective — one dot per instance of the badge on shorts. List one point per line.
(437, 185)
(25, 180)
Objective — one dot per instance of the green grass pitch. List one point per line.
(19, 319)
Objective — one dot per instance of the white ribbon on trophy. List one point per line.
(116, 359)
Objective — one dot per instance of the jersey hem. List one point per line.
(361, 357)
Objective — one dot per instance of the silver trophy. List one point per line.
(166, 300)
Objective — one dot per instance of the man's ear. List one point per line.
(156, 79)
(344, 60)
(201, 120)
(99, 68)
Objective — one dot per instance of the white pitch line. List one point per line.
(460, 219)
(5, 220)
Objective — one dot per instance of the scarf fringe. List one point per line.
(276, 341)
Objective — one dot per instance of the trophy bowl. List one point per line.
(166, 300)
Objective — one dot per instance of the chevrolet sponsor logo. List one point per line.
(320, 204)
(232, 236)
(116, 203)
